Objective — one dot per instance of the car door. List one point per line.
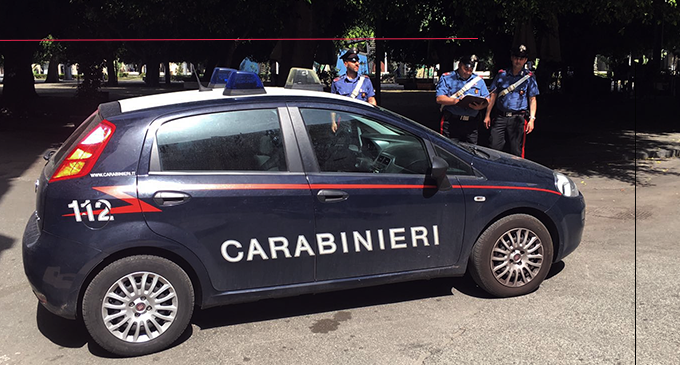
(376, 209)
(230, 186)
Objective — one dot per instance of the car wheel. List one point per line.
(138, 305)
(512, 256)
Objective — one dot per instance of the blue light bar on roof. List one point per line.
(220, 76)
(243, 83)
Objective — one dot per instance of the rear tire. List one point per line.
(512, 256)
(138, 305)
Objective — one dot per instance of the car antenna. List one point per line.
(200, 86)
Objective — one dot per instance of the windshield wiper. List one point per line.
(475, 150)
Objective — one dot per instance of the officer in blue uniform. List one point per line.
(460, 122)
(348, 84)
(512, 105)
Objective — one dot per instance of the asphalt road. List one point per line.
(611, 302)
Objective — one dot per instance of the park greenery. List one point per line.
(565, 35)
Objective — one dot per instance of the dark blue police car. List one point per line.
(240, 193)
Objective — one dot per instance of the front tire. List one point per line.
(512, 256)
(138, 305)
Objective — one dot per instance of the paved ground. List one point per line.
(614, 301)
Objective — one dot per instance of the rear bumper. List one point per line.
(54, 268)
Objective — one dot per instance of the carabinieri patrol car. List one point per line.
(239, 193)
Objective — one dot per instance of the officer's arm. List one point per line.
(443, 89)
(371, 92)
(532, 107)
(447, 100)
(487, 117)
(492, 101)
(334, 124)
(532, 114)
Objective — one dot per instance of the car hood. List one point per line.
(495, 165)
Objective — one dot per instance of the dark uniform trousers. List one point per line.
(458, 127)
(509, 127)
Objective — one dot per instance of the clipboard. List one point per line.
(466, 100)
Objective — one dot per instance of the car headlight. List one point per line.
(565, 186)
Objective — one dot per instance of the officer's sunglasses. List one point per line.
(353, 59)
(469, 67)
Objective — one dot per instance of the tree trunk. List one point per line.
(113, 71)
(168, 75)
(549, 53)
(584, 78)
(52, 71)
(18, 82)
(152, 71)
(445, 58)
(299, 53)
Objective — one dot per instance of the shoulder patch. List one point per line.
(501, 71)
(336, 79)
(446, 74)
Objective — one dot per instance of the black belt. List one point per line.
(512, 113)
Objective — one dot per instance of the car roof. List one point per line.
(189, 96)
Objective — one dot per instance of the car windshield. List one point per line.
(470, 148)
(397, 115)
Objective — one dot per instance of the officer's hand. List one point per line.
(530, 126)
(455, 100)
(487, 122)
(334, 126)
(477, 106)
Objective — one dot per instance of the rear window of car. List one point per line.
(244, 140)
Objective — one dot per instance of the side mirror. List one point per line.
(439, 168)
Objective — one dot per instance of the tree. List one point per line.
(52, 53)
(19, 21)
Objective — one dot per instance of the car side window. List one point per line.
(347, 142)
(244, 140)
(456, 165)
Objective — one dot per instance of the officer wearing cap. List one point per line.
(458, 121)
(351, 84)
(512, 105)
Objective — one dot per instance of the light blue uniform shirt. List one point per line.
(518, 99)
(343, 85)
(450, 83)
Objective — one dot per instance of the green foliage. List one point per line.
(49, 49)
(326, 77)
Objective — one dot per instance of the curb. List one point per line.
(657, 153)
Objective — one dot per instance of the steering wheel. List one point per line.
(413, 163)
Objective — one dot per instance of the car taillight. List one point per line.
(85, 154)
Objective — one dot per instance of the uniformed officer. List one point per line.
(458, 121)
(513, 100)
(351, 84)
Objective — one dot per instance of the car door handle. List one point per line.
(332, 196)
(170, 198)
